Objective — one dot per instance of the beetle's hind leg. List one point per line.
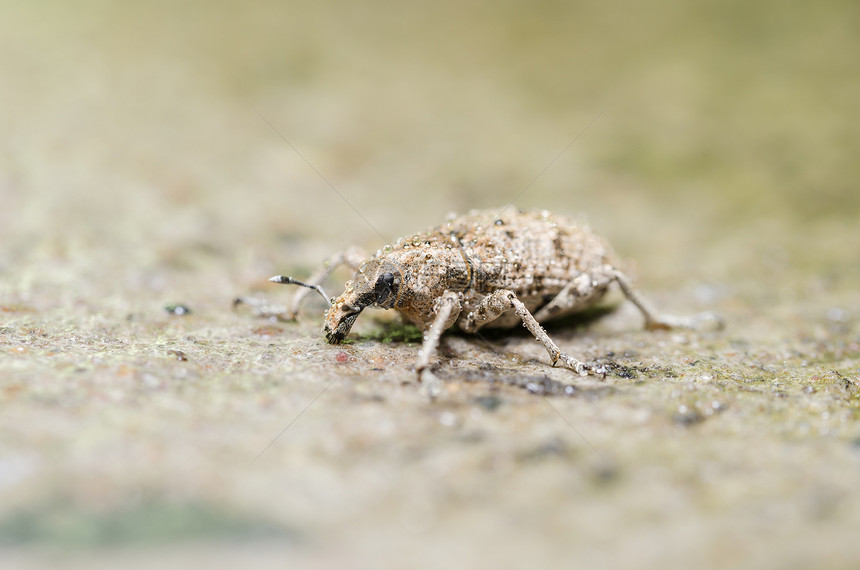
(495, 304)
(655, 320)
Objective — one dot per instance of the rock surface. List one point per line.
(159, 156)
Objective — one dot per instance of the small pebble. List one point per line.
(178, 310)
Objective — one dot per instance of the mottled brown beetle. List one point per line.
(483, 269)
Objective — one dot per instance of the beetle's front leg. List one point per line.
(351, 257)
(494, 305)
(446, 309)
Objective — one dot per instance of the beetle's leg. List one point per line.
(495, 304)
(447, 309)
(262, 308)
(578, 294)
(655, 320)
(351, 257)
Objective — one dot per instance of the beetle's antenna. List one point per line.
(284, 280)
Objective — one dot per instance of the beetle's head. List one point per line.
(376, 283)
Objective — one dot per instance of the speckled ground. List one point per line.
(159, 155)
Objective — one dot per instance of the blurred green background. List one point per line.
(714, 117)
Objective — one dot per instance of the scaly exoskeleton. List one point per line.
(483, 269)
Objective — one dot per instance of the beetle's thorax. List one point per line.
(429, 270)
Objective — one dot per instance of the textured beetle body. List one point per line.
(535, 254)
(484, 269)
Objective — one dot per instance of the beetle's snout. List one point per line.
(336, 334)
(376, 284)
(339, 321)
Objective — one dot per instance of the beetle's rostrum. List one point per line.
(484, 269)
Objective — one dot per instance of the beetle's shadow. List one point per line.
(538, 384)
(393, 330)
(396, 331)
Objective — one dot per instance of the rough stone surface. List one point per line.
(145, 167)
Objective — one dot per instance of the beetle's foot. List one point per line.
(702, 322)
(708, 322)
(581, 368)
(430, 383)
(261, 308)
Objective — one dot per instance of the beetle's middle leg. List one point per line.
(577, 295)
(495, 304)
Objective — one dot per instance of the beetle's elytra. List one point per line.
(483, 269)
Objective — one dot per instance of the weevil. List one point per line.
(480, 270)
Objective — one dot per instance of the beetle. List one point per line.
(483, 269)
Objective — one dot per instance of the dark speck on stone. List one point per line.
(178, 310)
(687, 415)
(605, 473)
(550, 448)
(490, 403)
(625, 372)
(178, 354)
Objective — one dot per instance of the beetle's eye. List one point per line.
(384, 287)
